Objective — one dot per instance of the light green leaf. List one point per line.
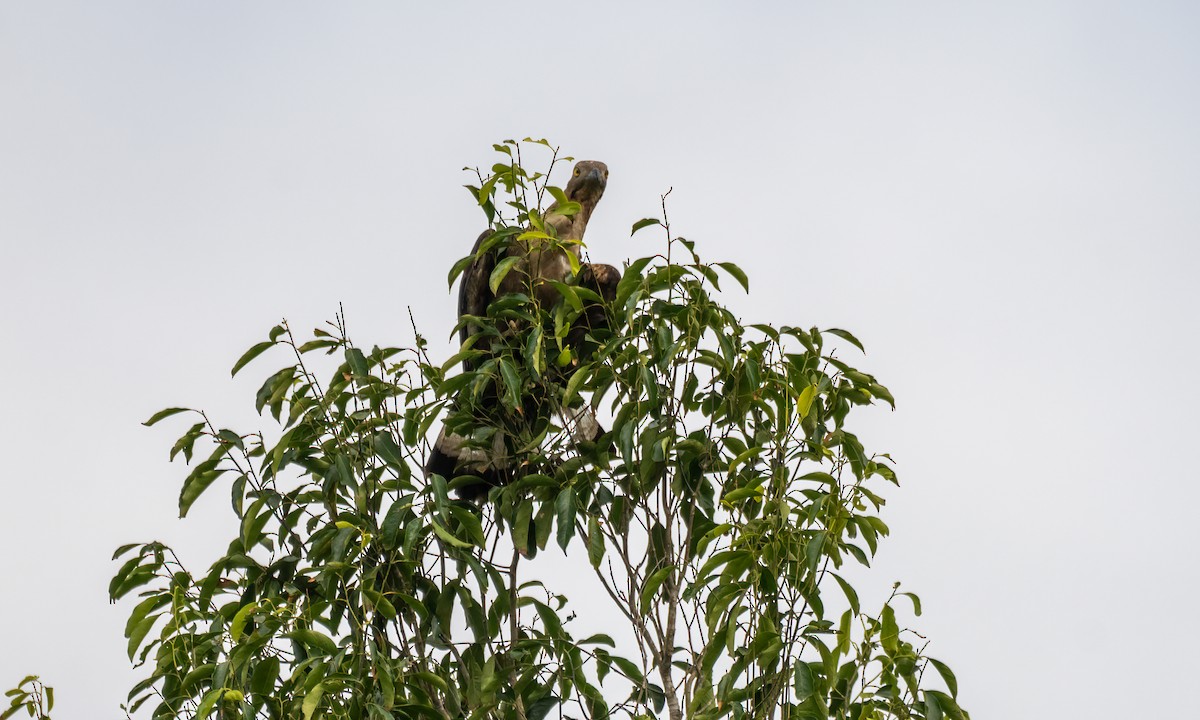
(208, 702)
(501, 270)
(447, 537)
(805, 401)
(312, 700)
(238, 624)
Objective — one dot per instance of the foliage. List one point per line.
(714, 516)
(32, 696)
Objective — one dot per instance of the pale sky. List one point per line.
(1002, 200)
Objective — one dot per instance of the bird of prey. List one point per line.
(537, 263)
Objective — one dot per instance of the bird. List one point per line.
(537, 265)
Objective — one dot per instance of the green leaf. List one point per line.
(312, 700)
(314, 640)
(652, 585)
(538, 710)
(851, 594)
(390, 530)
(845, 335)
(630, 280)
(253, 352)
(805, 401)
(262, 683)
(357, 362)
(737, 273)
(814, 550)
(459, 267)
(564, 506)
(194, 486)
(645, 222)
(470, 523)
(947, 676)
(512, 383)
(599, 639)
(521, 526)
(890, 633)
(743, 457)
(933, 709)
(139, 634)
(447, 536)
(576, 380)
(501, 270)
(143, 609)
(534, 355)
(596, 545)
(238, 624)
(164, 414)
(208, 702)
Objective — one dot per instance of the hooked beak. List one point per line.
(594, 176)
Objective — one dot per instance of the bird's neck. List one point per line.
(579, 221)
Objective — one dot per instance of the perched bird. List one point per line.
(537, 263)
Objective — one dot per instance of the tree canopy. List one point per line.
(713, 518)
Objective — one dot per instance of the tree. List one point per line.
(714, 516)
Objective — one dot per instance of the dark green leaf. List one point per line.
(737, 273)
(645, 222)
(253, 352)
(890, 633)
(851, 594)
(194, 486)
(565, 509)
(596, 543)
(265, 674)
(164, 414)
(538, 710)
(947, 676)
(652, 585)
(459, 267)
(845, 335)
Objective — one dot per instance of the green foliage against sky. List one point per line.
(714, 517)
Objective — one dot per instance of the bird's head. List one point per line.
(587, 182)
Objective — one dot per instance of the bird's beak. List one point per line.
(595, 176)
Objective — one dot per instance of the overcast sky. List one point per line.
(1002, 200)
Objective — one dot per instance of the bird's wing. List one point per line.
(474, 295)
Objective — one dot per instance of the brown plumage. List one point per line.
(540, 261)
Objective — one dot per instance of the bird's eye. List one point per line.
(576, 172)
(605, 174)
